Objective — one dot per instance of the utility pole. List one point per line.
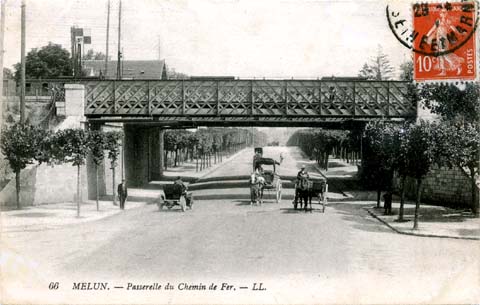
(22, 70)
(2, 51)
(108, 39)
(119, 54)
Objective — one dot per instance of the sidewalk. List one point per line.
(434, 221)
(55, 215)
(52, 216)
(187, 170)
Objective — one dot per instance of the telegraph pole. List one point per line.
(2, 33)
(22, 70)
(119, 54)
(108, 39)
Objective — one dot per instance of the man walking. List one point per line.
(122, 193)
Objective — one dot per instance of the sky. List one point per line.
(241, 38)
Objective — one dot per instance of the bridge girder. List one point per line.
(246, 102)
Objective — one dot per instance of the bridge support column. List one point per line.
(136, 155)
(156, 153)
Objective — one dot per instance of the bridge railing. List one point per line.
(247, 98)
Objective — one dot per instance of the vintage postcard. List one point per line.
(239, 152)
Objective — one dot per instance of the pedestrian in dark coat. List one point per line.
(387, 198)
(122, 194)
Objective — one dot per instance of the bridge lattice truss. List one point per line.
(237, 99)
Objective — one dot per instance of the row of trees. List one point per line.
(319, 144)
(411, 150)
(24, 144)
(202, 145)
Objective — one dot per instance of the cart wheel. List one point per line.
(279, 192)
(160, 202)
(183, 203)
(191, 203)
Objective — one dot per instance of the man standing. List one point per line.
(302, 173)
(122, 193)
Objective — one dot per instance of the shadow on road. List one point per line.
(297, 211)
(242, 202)
(33, 214)
(358, 217)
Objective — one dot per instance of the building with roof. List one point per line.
(131, 69)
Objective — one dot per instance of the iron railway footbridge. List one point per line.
(253, 102)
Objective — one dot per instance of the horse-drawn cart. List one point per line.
(306, 190)
(175, 195)
(267, 169)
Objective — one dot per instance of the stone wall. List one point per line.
(42, 184)
(443, 186)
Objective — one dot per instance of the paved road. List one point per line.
(341, 256)
(242, 164)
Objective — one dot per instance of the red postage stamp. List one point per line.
(444, 41)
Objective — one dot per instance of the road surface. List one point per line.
(341, 256)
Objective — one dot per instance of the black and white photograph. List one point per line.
(239, 152)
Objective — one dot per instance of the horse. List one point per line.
(303, 191)
(256, 189)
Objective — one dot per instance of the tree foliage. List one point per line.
(96, 143)
(205, 143)
(451, 102)
(93, 55)
(112, 145)
(20, 145)
(50, 61)
(319, 144)
(378, 68)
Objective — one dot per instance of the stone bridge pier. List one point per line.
(144, 154)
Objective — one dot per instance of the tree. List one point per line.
(451, 102)
(96, 144)
(7, 73)
(112, 145)
(461, 147)
(420, 152)
(401, 163)
(379, 67)
(18, 144)
(406, 71)
(172, 74)
(379, 156)
(71, 145)
(92, 55)
(51, 61)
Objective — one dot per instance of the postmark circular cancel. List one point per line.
(435, 29)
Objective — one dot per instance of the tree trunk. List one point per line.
(196, 163)
(78, 190)
(326, 161)
(379, 193)
(113, 185)
(165, 160)
(17, 187)
(175, 160)
(96, 186)
(402, 198)
(475, 207)
(417, 203)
